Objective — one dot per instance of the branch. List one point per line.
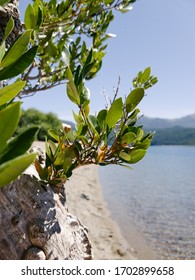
(31, 91)
(26, 76)
(75, 15)
(39, 76)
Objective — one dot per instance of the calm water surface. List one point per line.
(158, 198)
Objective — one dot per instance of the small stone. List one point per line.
(34, 253)
(37, 234)
(84, 196)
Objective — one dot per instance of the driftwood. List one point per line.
(34, 219)
(35, 223)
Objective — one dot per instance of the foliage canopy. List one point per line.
(65, 42)
(69, 34)
(13, 157)
(45, 121)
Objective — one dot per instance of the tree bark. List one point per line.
(35, 223)
(10, 10)
(34, 219)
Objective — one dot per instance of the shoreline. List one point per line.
(85, 200)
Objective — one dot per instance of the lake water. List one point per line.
(157, 198)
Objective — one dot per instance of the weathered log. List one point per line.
(35, 223)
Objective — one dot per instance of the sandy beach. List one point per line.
(85, 200)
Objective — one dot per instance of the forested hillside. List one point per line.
(174, 136)
(167, 132)
(44, 120)
(179, 131)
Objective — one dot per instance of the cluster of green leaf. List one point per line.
(45, 121)
(13, 157)
(109, 137)
(67, 33)
(144, 79)
(18, 57)
(71, 36)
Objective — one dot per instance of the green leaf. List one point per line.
(30, 19)
(60, 9)
(140, 134)
(144, 144)
(154, 80)
(39, 17)
(70, 152)
(52, 146)
(108, 1)
(53, 3)
(54, 134)
(134, 98)
(19, 144)
(9, 28)
(94, 127)
(126, 166)
(2, 51)
(137, 155)
(67, 164)
(4, 2)
(77, 118)
(84, 139)
(9, 118)
(82, 129)
(93, 121)
(124, 156)
(59, 159)
(48, 151)
(69, 73)
(89, 58)
(52, 49)
(7, 93)
(10, 170)
(86, 69)
(146, 75)
(101, 117)
(128, 138)
(16, 51)
(43, 173)
(73, 93)
(19, 66)
(134, 114)
(67, 153)
(114, 113)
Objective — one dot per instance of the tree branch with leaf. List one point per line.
(66, 45)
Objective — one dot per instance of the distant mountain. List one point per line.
(188, 121)
(176, 135)
(158, 123)
(179, 131)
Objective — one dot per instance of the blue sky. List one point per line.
(156, 33)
